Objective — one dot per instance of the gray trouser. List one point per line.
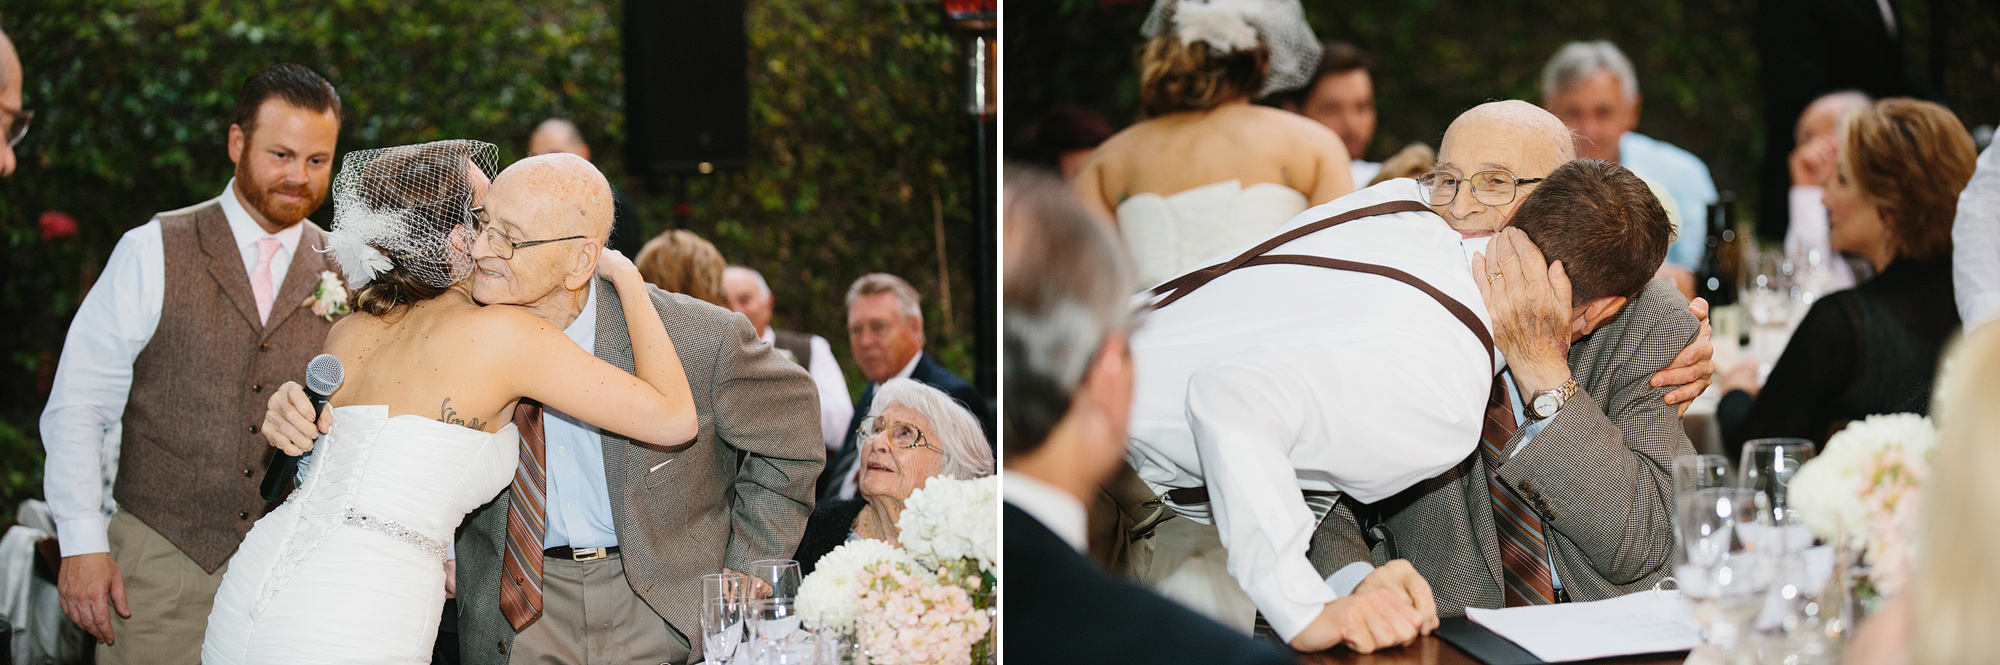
(591, 615)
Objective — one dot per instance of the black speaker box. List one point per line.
(687, 93)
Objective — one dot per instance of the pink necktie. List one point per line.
(260, 277)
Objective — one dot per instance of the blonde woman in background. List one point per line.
(681, 262)
(1207, 171)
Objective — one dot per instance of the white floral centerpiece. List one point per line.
(1866, 487)
(927, 603)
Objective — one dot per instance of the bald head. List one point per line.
(1822, 117)
(561, 192)
(1513, 136)
(557, 135)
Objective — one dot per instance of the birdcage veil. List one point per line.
(402, 207)
(1238, 25)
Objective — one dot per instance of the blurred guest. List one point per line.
(177, 343)
(750, 296)
(1069, 394)
(1813, 162)
(1342, 97)
(1592, 87)
(885, 326)
(1874, 348)
(1807, 48)
(1208, 171)
(1066, 138)
(681, 262)
(559, 135)
(13, 118)
(912, 433)
(1412, 161)
(1975, 238)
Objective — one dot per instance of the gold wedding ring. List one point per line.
(1494, 277)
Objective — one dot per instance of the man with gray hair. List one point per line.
(13, 119)
(560, 135)
(1814, 161)
(1592, 87)
(1069, 394)
(750, 296)
(885, 327)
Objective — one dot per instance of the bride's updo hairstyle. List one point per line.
(402, 220)
(1201, 53)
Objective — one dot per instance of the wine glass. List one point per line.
(1767, 469)
(781, 574)
(1709, 520)
(1694, 472)
(1726, 596)
(722, 597)
(772, 623)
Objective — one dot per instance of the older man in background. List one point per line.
(1593, 88)
(885, 326)
(750, 296)
(560, 135)
(1814, 161)
(13, 118)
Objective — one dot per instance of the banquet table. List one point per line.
(1429, 650)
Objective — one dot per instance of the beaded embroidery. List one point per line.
(397, 531)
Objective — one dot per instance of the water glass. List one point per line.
(1694, 472)
(773, 621)
(1767, 469)
(1708, 521)
(722, 598)
(782, 574)
(1726, 596)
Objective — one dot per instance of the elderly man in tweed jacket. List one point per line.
(1570, 501)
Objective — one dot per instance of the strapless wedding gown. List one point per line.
(350, 569)
(1170, 234)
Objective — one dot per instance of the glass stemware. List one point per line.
(1709, 520)
(782, 574)
(1767, 469)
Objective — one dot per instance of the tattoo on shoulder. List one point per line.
(448, 415)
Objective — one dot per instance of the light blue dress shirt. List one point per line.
(1685, 178)
(579, 501)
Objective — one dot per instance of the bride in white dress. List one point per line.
(351, 569)
(1209, 172)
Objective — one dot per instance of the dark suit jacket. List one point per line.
(1061, 609)
(927, 372)
(826, 530)
(1603, 469)
(739, 492)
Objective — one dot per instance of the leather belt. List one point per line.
(1189, 496)
(579, 554)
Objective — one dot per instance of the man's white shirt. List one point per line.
(1975, 238)
(1278, 378)
(836, 408)
(94, 376)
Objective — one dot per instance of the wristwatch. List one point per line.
(1546, 403)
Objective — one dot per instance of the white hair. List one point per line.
(1577, 60)
(763, 287)
(953, 428)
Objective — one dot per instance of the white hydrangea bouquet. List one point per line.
(1866, 488)
(929, 602)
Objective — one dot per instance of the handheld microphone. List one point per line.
(323, 376)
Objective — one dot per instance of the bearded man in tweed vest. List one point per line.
(198, 312)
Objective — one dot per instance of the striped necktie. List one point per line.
(521, 591)
(1523, 552)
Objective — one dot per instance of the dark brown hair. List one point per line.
(679, 261)
(1176, 76)
(434, 195)
(1910, 158)
(1603, 223)
(297, 85)
(1336, 57)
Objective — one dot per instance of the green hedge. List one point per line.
(1696, 62)
(860, 148)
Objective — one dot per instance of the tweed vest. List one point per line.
(192, 456)
(796, 346)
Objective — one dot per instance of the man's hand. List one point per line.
(1399, 578)
(289, 417)
(1364, 621)
(1529, 301)
(85, 582)
(1814, 162)
(754, 586)
(1694, 368)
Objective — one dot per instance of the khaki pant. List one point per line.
(1187, 563)
(168, 594)
(591, 615)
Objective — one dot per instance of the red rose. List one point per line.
(57, 225)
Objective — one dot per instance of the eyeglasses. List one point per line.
(1494, 188)
(503, 244)
(901, 434)
(17, 129)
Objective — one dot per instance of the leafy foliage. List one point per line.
(861, 152)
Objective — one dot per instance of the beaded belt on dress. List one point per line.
(397, 531)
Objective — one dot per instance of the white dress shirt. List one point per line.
(1975, 244)
(1054, 508)
(836, 408)
(1278, 378)
(94, 376)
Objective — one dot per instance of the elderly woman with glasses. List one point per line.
(913, 433)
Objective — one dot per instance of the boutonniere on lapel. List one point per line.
(329, 298)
